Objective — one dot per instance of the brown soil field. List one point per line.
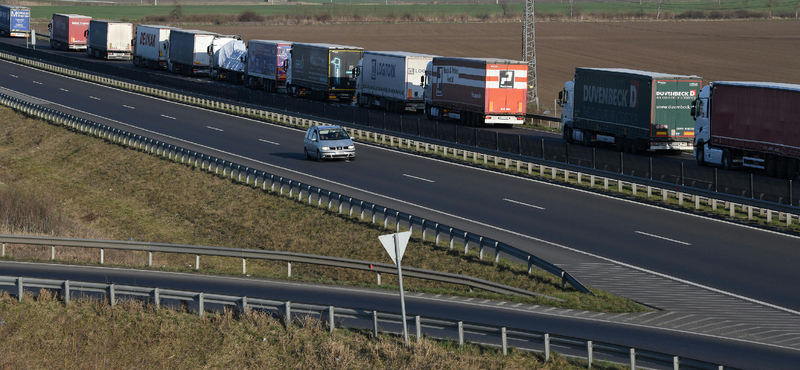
(714, 50)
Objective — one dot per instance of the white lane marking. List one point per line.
(417, 178)
(94, 97)
(63, 89)
(521, 203)
(214, 128)
(267, 141)
(663, 238)
(15, 76)
(37, 82)
(559, 312)
(128, 106)
(167, 117)
(593, 255)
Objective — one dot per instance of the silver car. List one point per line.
(328, 142)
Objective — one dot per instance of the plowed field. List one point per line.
(731, 50)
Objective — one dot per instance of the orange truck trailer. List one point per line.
(477, 91)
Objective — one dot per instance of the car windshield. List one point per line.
(333, 134)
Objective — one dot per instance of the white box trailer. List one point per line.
(227, 53)
(151, 46)
(392, 80)
(189, 51)
(109, 40)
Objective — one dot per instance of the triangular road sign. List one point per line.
(388, 244)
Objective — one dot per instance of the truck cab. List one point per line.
(702, 129)
(567, 103)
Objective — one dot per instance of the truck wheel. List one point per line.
(428, 111)
(780, 167)
(633, 148)
(791, 169)
(769, 165)
(701, 155)
(566, 132)
(587, 138)
(727, 160)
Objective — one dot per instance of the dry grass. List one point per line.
(43, 333)
(105, 191)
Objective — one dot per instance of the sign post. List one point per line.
(33, 38)
(395, 245)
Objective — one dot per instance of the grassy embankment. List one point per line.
(453, 12)
(56, 182)
(46, 334)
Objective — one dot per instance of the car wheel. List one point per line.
(319, 156)
(305, 151)
(353, 158)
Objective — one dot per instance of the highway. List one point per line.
(589, 234)
(714, 349)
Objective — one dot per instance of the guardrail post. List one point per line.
(504, 334)
(197, 262)
(3, 253)
(379, 278)
(450, 234)
(373, 213)
(244, 306)
(65, 291)
(150, 259)
(480, 248)
(350, 206)
(101, 256)
(397, 218)
(339, 200)
(423, 229)
(466, 243)
(201, 304)
(460, 333)
(605, 183)
(386, 218)
(676, 363)
(244, 266)
(20, 289)
(546, 347)
(331, 318)
(589, 353)
(418, 324)
(437, 234)
(410, 223)
(633, 358)
(157, 298)
(361, 207)
(375, 324)
(496, 252)
(289, 269)
(52, 252)
(769, 216)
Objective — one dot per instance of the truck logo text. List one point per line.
(147, 39)
(506, 79)
(383, 69)
(611, 96)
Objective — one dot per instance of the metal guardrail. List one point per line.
(244, 174)
(244, 254)
(543, 117)
(423, 325)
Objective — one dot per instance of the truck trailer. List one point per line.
(266, 63)
(227, 59)
(189, 51)
(749, 124)
(635, 110)
(68, 31)
(110, 40)
(392, 80)
(323, 71)
(151, 46)
(15, 21)
(477, 91)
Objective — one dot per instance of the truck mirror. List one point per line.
(560, 95)
(209, 50)
(50, 27)
(86, 33)
(694, 111)
(422, 81)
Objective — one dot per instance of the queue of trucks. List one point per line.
(729, 124)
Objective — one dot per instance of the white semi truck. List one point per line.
(392, 80)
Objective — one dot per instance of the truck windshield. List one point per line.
(333, 134)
